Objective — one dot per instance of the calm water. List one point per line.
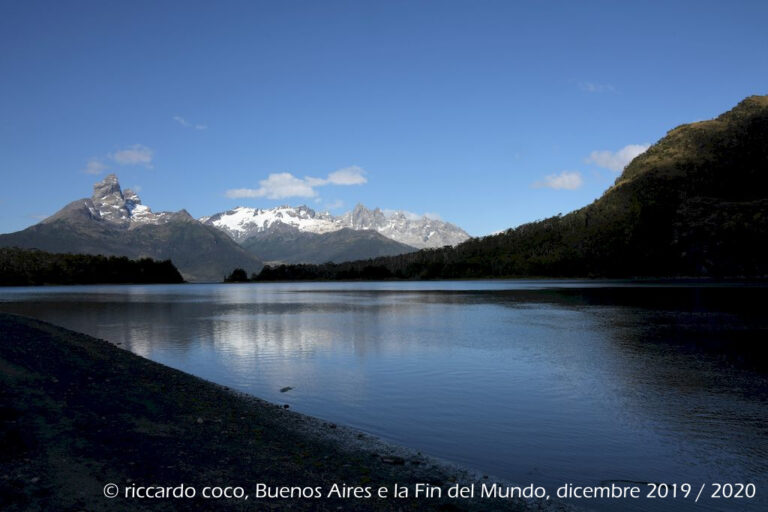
(534, 381)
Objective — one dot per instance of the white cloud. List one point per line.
(352, 175)
(134, 155)
(616, 161)
(95, 166)
(186, 124)
(596, 87)
(277, 186)
(566, 180)
(285, 184)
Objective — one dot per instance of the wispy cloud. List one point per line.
(95, 166)
(595, 87)
(566, 180)
(285, 184)
(616, 160)
(187, 124)
(134, 155)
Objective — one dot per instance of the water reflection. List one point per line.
(535, 381)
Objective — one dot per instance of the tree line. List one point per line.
(30, 267)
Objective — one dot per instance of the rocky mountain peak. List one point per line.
(123, 207)
(363, 218)
(109, 201)
(131, 196)
(107, 190)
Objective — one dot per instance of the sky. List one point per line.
(488, 114)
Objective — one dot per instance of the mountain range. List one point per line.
(693, 204)
(114, 222)
(416, 231)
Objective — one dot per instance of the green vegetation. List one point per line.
(694, 204)
(23, 267)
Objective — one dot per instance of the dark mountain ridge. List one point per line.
(287, 244)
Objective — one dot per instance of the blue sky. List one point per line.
(489, 114)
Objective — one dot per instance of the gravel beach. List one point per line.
(78, 413)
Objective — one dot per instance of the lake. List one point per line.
(534, 381)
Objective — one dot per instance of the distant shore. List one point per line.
(78, 413)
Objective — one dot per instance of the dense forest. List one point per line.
(694, 204)
(29, 267)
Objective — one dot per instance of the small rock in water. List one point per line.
(286, 388)
(286, 406)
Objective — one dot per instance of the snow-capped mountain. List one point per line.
(242, 223)
(417, 231)
(110, 203)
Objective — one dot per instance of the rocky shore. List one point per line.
(78, 413)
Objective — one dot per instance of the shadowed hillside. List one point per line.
(290, 245)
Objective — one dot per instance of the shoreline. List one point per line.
(81, 412)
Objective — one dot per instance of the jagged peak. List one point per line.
(107, 188)
(132, 196)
